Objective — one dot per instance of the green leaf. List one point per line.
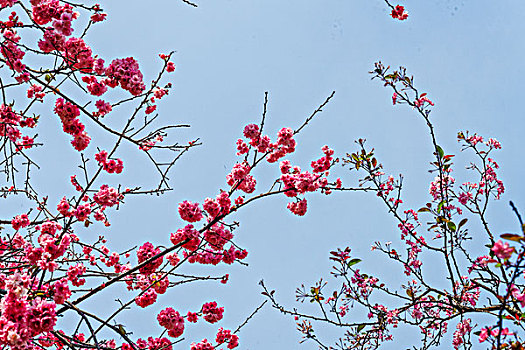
(440, 151)
(451, 226)
(424, 209)
(440, 205)
(360, 328)
(462, 222)
(353, 262)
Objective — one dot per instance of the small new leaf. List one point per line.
(353, 262)
(512, 237)
(462, 222)
(440, 151)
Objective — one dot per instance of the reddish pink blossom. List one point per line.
(78, 55)
(148, 298)
(150, 109)
(42, 316)
(192, 317)
(98, 17)
(394, 98)
(251, 131)
(502, 250)
(225, 336)
(493, 143)
(107, 196)
(7, 3)
(298, 208)
(61, 291)
(190, 212)
(420, 102)
(399, 13)
(172, 321)
(145, 252)
(103, 108)
(82, 212)
(20, 221)
(126, 72)
(187, 233)
(203, 345)
(211, 312)
(173, 259)
(484, 334)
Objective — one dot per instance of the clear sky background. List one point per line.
(468, 57)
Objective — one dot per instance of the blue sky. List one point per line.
(466, 55)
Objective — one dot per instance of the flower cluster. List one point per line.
(211, 313)
(10, 124)
(399, 13)
(225, 336)
(68, 113)
(109, 165)
(172, 321)
(125, 72)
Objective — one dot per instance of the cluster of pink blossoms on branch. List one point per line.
(47, 267)
(475, 287)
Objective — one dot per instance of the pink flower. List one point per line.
(493, 143)
(192, 317)
(78, 55)
(483, 335)
(126, 72)
(146, 299)
(224, 335)
(298, 208)
(173, 259)
(107, 196)
(150, 109)
(394, 98)
(145, 252)
(61, 291)
(81, 141)
(103, 108)
(42, 316)
(464, 197)
(82, 212)
(212, 207)
(399, 13)
(211, 312)
(420, 102)
(190, 212)
(20, 221)
(203, 345)
(98, 17)
(159, 344)
(187, 233)
(251, 131)
(502, 250)
(172, 321)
